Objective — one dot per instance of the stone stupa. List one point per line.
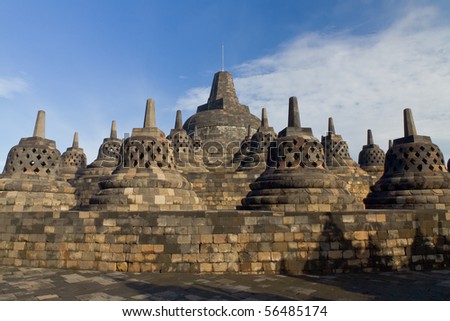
(32, 178)
(371, 157)
(299, 180)
(108, 158)
(222, 122)
(73, 160)
(146, 179)
(183, 148)
(337, 156)
(415, 176)
(256, 157)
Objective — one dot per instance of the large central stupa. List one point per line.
(222, 121)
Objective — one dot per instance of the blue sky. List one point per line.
(89, 62)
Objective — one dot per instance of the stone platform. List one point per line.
(250, 242)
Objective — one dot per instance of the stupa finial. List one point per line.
(264, 118)
(331, 129)
(369, 137)
(113, 134)
(39, 127)
(178, 120)
(75, 141)
(408, 123)
(150, 115)
(294, 115)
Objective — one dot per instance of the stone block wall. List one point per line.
(221, 190)
(227, 241)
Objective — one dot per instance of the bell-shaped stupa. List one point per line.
(336, 149)
(371, 157)
(299, 180)
(259, 146)
(73, 160)
(146, 178)
(183, 148)
(32, 178)
(415, 176)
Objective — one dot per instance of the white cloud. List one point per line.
(11, 86)
(361, 81)
(192, 98)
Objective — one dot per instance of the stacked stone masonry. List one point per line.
(227, 241)
(224, 193)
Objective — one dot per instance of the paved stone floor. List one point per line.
(46, 284)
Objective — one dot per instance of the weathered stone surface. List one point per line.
(258, 148)
(332, 242)
(146, 178)
(32, 178)
(414, 175)
(371, 157)
(73, 160)
(222, 122)
(296, 178)
(336, 149)
(184, 151)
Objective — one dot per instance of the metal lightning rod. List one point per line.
(223, 57)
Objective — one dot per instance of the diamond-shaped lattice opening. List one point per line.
(36, 170)
(424, 160)
(406, 167)
(48, 171)
(417, 154)
(432, 149)
(411, 149)
(431, 167)
(419, 167)
(422, 148)
(43, 164)
(32, 163)
(34, 150)
(38, 157)
(44, 151)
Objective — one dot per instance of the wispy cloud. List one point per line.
(361, 81)
(10, 86)
(193, 97)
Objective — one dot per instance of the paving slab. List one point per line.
(24, 284)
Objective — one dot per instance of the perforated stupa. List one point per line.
(414, 175)
(299, 181)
